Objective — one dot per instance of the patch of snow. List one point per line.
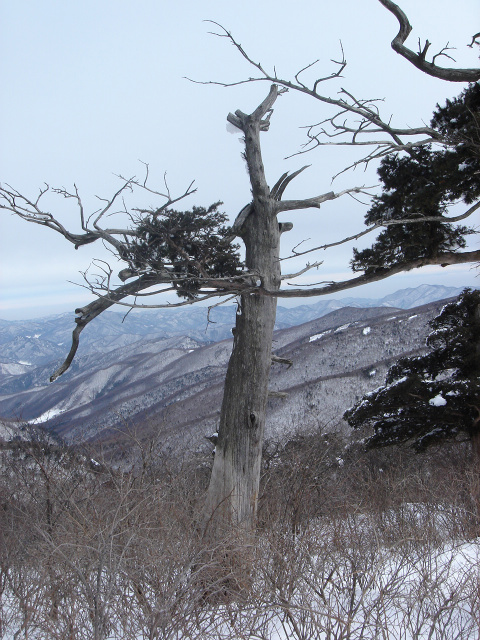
(463, 166)
(231, 128)
(48, 415)
(317, 336)
(29, 364)
(437, 401)
(372, 373)
(366, 331)
(342, 328)
(12, 368)
(414, 316)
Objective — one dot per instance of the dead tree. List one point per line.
(233, 491)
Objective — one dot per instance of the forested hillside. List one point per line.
(172, 387)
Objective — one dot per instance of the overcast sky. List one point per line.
(90, 88)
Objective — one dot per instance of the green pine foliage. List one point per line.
(432, 397)
(425, 183)
(192, 245)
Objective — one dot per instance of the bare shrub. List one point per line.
(350, 545)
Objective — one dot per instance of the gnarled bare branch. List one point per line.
(442, 259)
(367, 119)
(88, 313)
(382, 224)
(308, 267)
(283, 182)
(419, 59)
(108, 297)
(31, 211)
(315, 202)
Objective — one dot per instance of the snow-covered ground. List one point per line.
(402, 592)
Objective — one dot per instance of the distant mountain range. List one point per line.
(171, 385)
(28, 343)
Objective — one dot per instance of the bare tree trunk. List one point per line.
(233, 491)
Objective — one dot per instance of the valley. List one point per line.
(134, 378)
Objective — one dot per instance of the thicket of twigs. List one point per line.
(350, 545)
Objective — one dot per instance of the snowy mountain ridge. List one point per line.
(26, 343)
(172, 387)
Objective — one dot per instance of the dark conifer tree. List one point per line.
(193, 244)
(423, 184)
(432, 397)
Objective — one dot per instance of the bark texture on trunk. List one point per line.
(233, 491)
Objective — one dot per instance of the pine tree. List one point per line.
(193, 244)
(422, 185)
(432, 397)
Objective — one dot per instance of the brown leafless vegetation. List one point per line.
(350, 545)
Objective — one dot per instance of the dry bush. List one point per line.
(318, 476)
(350, 545)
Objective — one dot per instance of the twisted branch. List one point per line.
(442, 259)
(419, 59)
(370, 122)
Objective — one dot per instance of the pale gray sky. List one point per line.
(91, 87)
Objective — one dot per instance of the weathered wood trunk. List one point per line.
(233, 491)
